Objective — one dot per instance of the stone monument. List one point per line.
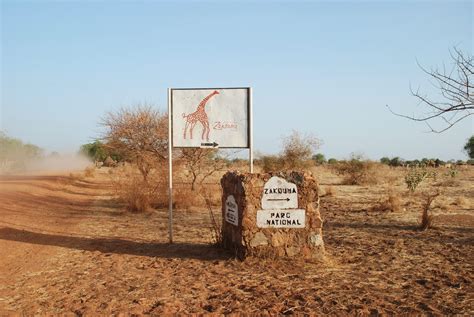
(272, 215)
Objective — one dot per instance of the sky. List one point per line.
(325, 68)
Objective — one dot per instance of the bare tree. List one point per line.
(140, 134)
(298, 149)
(297, 153)
(455, 86)
(201, 164)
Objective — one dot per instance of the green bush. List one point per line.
(98, 151)
(385, 160)
(396, 161)
(416, 175)
(319, 158)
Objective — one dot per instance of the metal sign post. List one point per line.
(250, 131)
(170, 171)
(207, 118)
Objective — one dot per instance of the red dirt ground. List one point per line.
(67, 247)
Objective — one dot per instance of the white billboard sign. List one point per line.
(210, 117)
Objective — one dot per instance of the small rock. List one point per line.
(292, 251)
(316, 240)
(278, 240)
(259, 240)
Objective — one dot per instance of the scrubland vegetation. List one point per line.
(398, 234)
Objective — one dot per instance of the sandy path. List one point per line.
(41, 204)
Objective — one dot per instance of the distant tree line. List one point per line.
(14, 153)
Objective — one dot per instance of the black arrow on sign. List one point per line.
(213, 144)
(277, 199)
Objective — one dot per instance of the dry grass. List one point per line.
(89, 171)
(136, 194)
(133, 191)
(74, 177)
(448, 182)
(329, 191)
(426, 218)
(185, 198)
(460, 202)
(442, 205)
(392, 203)
(216, 226)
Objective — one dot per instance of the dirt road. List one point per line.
(66, 246)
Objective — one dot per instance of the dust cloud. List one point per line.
(45, 164)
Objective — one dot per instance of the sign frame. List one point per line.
(249, 117)
(171, 145)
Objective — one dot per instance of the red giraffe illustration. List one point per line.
(200, 116)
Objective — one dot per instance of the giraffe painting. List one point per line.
(200, 116)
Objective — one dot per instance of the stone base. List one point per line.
(247, 239)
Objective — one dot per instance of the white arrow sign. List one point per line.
(279, 194)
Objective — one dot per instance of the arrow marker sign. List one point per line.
(278, 199)
(279, 194)
(209, 144)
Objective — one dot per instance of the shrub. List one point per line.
(394, 202)
(385, 160)
(96, 151)
(396, 161)
(272, 163)
(319, 158)
(297, 153)
(452, 171)
(414, 177)
(332, 161)
(135, 193)
(357, 172)
(427, 219)
(130, 189)
(391, 204)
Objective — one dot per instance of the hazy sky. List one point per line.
(327, 68)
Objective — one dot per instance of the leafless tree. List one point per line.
(455, 86)
(140, 134)
(201, 164)
(296, 154)
(298, 149)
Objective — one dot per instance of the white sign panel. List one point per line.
(231, 211)
(281, 218)
(279, 194)
(210, 117)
